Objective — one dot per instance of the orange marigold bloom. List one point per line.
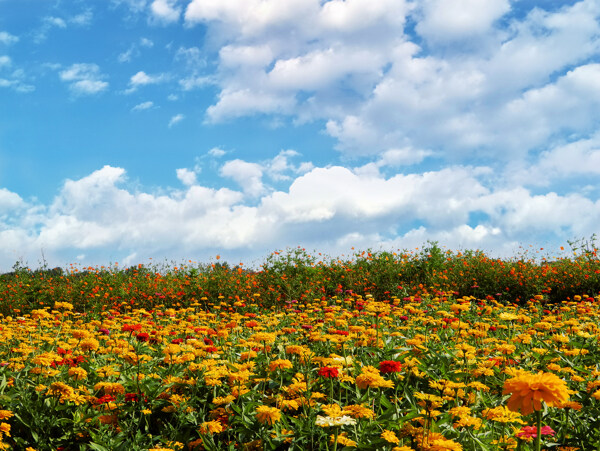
(529, 390)
(268, 415)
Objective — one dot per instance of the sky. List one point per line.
(181, 130)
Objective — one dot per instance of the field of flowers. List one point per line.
(296, 357)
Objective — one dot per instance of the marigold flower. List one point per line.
(211, 427)
(529, 390)
(268, 415)
(390, 437)
(280, 364)
(90, 344)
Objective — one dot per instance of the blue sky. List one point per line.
(183, 129)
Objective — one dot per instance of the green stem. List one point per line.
(538, 437)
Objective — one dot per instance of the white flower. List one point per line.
(330, 421)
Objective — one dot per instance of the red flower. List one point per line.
(531, 431)
(328, 372)
(131, 397)
(143, 336)
(105, 399)
(390, 366)
(131, 327)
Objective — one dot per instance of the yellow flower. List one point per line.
(343, 440)
(280, 364)
(5, 414)
(268, 415)
(390, 437)
(5, 429)
(445, 445)
(529, 390)
(211, 427)
(77, 373)
(90, 344)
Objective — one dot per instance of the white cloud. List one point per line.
(165, 10)
(195, 82)
(216, 152)
(84, 79)
(247, 175)
(329, 209)
(236, 103)
(186, 176)
(82, 19)
(445, 20)
(176, 119)
(462, 92)
(5, 60)
(55, 22)
(192, 57)
(6, 38)
(141, 78)
(145, 42)
(143, 106)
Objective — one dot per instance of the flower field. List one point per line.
(294, 356)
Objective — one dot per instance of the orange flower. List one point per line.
(268, 415)
(529, 390)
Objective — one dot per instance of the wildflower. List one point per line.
(529, 390)
(531, 431)
(77, 373)
(390, 366)
(142, 336)
(280, 364)
(5, 414)
(390, 437)
(328, 372)
(268, 415)
(358, 411)
(90, 344)
(343, 440)
(442, 444)
(332, 410)
(338, 421)
(211, 427)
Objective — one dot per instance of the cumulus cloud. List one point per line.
(329, 208)
(186, 176)
(509, 80)
(247, 175)
(444, 20)
(165, 11)
(84, 79)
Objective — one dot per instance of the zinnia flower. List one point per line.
(211, 427)
(529, 390)
(390, 437)
(328, 372)
(390, 366)
(268, 415)
(531, 431)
